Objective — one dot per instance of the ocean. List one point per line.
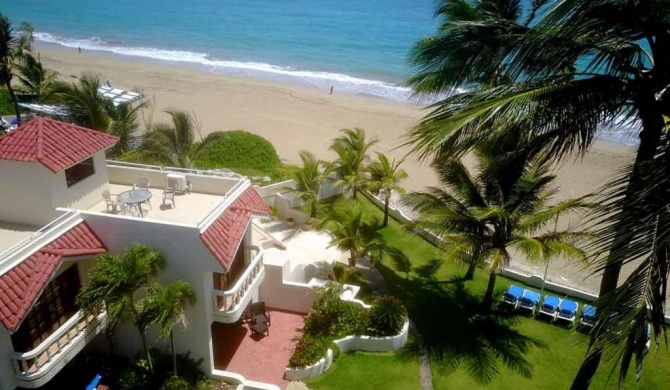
(357, 47)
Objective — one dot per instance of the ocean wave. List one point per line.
(324, 80)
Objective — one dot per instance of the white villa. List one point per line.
(54, 221)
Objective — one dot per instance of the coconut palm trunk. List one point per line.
(15, 102)
(174, 353)
(143, 337)
(490, 287)
(386, 211)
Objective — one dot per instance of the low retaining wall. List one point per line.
(241, 382)
(351, 343)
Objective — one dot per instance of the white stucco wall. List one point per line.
(7, 380)
(187, 257)
(83, 194)
(279, 292)
(26, 193)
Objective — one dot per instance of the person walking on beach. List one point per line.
(331, 89)
(79, 49)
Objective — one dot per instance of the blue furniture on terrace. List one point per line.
(529, 300)
(567, 311)
(550, 306)
(512, 296)
(588, 316)
(94, 383)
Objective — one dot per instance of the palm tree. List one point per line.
(39, 83)
(482, 217)
(9, 50)
(166, 306)
(352, 152)
(583, 65)
(384, 178)
(125, 123)
(114, 284)
(350, 233)
(174, 143)
(309, 179)
(85, 103)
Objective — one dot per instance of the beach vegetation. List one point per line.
(384, 177)
(560, 75)
(38, 84)
(173, 144)
(239, 149)
(308, 179)
(482, 216)
(114, 285)
(6, 104)
(10, 51)
(352, 155)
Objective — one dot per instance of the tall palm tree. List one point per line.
(85, 103)
(581, 66)
(309, 178)
(481, 218)
(166, 307)
(125, 123)
(115, 283)
(174, 143)
(384, 178)
(352, 152)
(39, 83)
(350, 233)
(9, 50)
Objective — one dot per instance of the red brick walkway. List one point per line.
(262, 358)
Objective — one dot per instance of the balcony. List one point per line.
(37, 367)
(229, 305)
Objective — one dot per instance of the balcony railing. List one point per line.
(231, 302)
(36, 367)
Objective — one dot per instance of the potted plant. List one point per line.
(290, 222)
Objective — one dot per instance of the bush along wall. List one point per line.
(240, 149)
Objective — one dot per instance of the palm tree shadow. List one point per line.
(458, 333)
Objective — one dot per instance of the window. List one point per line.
(54, 307)
(79, 172)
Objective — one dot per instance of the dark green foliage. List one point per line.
(334, 317)
(176, 383)
(239, 149)
(387, 317)
(308, 350)
(137, 376)
(6, 107)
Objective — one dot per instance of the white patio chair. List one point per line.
(109, 201)
(141, 183)
(168, 196)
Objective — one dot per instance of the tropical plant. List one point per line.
(173, 144)
(165, 306)
(240, 149)
(581, 65)
(114, 284)
(84, 102)
(124, 123)
(384, 178)
(481, 217)
(387, 316)
(10, 49)
(37, 82)
(350, 233)
(308, 179)
(352, 152)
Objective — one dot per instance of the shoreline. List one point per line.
(295, 118)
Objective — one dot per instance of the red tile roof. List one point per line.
(22, 285)
(224, 235)
(54, 144)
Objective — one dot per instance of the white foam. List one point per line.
(324, 80)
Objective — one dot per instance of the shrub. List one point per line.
(176, 383)
(308, 350)
(240, 149)
(6, 105)
(387, 317)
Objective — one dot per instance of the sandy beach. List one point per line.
(295, 117)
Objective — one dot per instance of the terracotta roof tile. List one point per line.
(54, 144)
(224, 235)
(21, 285)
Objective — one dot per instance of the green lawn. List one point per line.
(371, 371)
(442, 309)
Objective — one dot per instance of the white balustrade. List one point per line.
(78, 326)
(227, 301)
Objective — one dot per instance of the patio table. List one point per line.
(135, 197)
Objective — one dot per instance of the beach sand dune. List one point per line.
(295, 118)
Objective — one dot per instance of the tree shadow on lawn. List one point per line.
(458, 334)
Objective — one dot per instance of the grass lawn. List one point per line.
(371, 371)
(442, 309)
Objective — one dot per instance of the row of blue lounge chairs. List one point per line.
(552, 308)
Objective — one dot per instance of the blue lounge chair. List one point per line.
(567, 311)
(512, 296)
(550, 306)
(94, 383)
(588, 316)
(529, 300)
